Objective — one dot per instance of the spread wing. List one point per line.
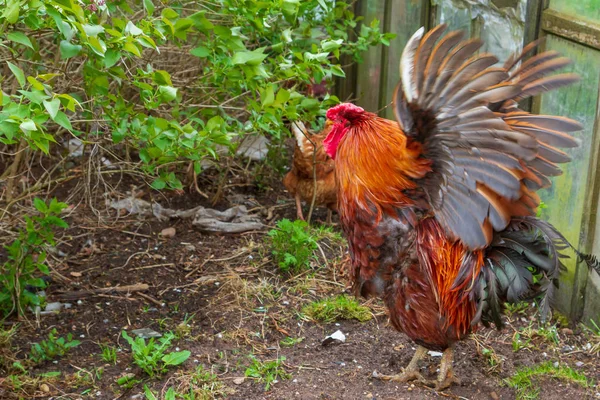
(488, 156)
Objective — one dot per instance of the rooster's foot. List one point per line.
(406, 376)
(410, 373)
(447, 382)
(446, 376)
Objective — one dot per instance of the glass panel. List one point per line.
(566, 197)
(586, 9)
(501, 27)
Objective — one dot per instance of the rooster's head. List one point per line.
(343, 116)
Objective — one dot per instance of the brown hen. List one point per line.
(300, 181)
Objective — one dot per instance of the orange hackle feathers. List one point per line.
(377, 175)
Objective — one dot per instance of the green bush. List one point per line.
(27, 258)
(292, 245)
(168, 79)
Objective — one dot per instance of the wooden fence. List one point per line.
(573, 29)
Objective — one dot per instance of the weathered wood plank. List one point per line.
(578, 30)
(368, 77)
(404, 17)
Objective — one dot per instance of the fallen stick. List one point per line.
(118, 289)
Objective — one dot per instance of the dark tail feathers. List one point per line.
(522, 262)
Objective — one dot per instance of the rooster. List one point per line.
(439, 206)
(300, 181)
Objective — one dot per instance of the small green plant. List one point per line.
(184, 329)
(149, 395)
(52, 347)
(267, 372)
(292, 245)
(27, 258)
(513, 309)
(152, 357)
(523, 338)
(492, 358)
(290, 341)
(128, 381)
(337, 308)
(201, 384)
(109, 354)
(527, 389)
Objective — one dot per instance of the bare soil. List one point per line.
(241, 305)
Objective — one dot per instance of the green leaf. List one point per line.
(28, 125)
(62, 119)
(132, 48)
(111, 57)
(52, 107)
(17, 72)
(132, 29)
(161, 77)
(320, 57)
(201, 22)
(290, 9)
(35, 83)
(40, 205)
(249, 57)
(51, 374)
(330, 45)
(92, 30)
(200, 52)
(11, 12)
(20, 37)
(338, 71)
(149, 394)
(68, 50)
(158, 184)
(170, 395)
(149, 7)
(267, 97)
(168, 93)
(176, 358)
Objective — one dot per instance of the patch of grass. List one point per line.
(327, 232)
(52, 347)
(152, 357)
(290, 341)
(109, 354)
(337, 308)
(6, 353)
(292, 245)
(267, 372)
(528, 389)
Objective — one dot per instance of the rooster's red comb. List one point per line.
(345, 110)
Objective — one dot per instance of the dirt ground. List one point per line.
(235, 302)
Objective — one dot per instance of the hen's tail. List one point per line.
(523, 262)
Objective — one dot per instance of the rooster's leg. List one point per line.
(410, 373)
(299, 207)
(446, 376)
(329, 215)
